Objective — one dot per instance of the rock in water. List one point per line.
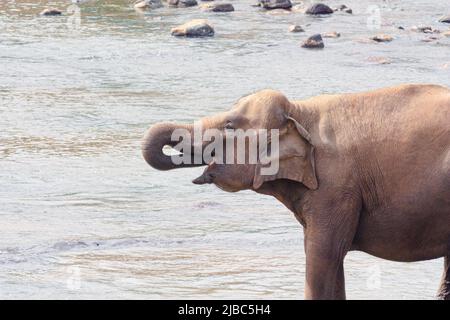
(182, 3)
(148, 4)
(379, 60)
(194, 28)
(187, 3)
(314, 42)
(340, 8)
(275, 4)
(424, 29)
(343, 8)
(50, 12)
(218, 7)
(332, 34)
(382, 38)
(319, 8)
(445, 19)
(296, 28)
(430, 39)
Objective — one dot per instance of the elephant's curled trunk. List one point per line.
(158, 136)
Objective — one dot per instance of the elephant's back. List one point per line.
(406, 107)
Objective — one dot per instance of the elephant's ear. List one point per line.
(295, 158)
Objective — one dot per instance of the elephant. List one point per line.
(366, 171)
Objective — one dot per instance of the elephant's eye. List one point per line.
(229, 125)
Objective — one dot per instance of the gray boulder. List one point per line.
(296, 28)
(275, 4)
(218, 7)
(182, 3)
(50, 12)
(314, 42)
(194, 28)
(319, 8)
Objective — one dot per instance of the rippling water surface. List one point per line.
(83, 216)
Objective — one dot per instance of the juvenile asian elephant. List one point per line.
(367, 171)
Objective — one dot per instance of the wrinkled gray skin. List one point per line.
(367, 171)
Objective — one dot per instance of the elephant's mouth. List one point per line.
(207, 177)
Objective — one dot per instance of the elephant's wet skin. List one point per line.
(367, 171)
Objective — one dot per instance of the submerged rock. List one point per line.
(332, 34)
(275, 4)
(446, 33)
(430, 39)
(319, 8)
(343, 8)
(379, 60)
(296, 28)
(340, 7)
(314, 42)
(424, 29)
(218, 7)
(445, 19)
(382, 38)
(148, 4)
(187, 3)
(182, 3)
(194, 28)
(51, 12)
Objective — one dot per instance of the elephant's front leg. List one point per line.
(328, 237)
(324, 272)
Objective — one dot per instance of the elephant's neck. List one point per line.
(288, 192)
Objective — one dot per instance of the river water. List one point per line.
(83, 216)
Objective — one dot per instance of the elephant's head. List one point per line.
(285, 153)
